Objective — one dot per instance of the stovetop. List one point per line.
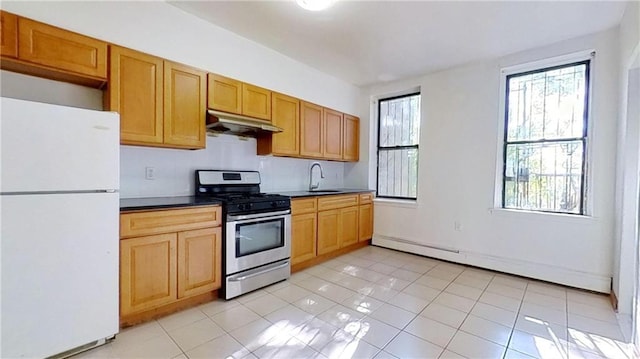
(239, 191)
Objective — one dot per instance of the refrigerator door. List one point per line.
(47, 147)
(59, 272)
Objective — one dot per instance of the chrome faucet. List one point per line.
(313, 186)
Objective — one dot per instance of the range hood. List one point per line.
(222, 122)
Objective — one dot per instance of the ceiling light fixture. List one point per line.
(315, 5)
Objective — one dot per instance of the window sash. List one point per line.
(406, 184)
(392, 148)
(554, 140)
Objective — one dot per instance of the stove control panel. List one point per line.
(257, 206)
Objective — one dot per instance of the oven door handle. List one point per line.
(231, 218)
(263, 271)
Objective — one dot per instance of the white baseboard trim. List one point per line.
(541, 271)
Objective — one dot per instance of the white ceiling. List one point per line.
(366, 42)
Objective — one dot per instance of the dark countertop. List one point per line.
(136, 204)
(334, 191)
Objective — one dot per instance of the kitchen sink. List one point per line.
(325, 191)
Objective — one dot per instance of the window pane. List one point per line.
(547, 104)
(544, 176)
(400, 121)
(398, 173)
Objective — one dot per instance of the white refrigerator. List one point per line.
(59, 207)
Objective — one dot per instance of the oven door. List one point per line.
(257, 239)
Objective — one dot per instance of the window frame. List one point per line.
(391, 148)
(585, 139)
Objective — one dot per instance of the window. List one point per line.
(398, 136)
(545, 139)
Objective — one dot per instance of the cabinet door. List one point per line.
(365, 222)
(303, 237)
(57, 48)
(286, 114)
(328, 231)
(135, 91)
(311, 127)
(348, 225)
(184, 106)
(332, 146)
(256, 102)
(199, 261)
(147, 272)
(8, 34)
(351, 135)
(225, 94)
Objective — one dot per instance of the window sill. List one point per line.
(402, 203)
(540, 215)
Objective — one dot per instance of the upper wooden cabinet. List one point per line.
(184, 106)
(351, 138)
(161, 103)
(136, 93)
(8, 34)
(256, 102)
(224, 94)
(311, 130)
(328, 134)
(286, 115)
(38, 49)
(332, 135)
(229, 95)
(47, 45)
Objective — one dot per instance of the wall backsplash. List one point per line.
(174, 169)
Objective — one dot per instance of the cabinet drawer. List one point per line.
(173, 220)
(366, 198)
(307, 205)
(331, 202)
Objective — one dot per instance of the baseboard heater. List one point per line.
(413, 243)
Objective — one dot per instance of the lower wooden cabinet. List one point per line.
(162, 269)
(199, 259)
(323, 225)
(365, 222)
(328, 231)
(303, 237)
(147, 272)
(348, 226)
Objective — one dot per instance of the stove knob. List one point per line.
(248, 206)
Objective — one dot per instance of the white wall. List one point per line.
(626, 244)
(459, 140)
(166, 31)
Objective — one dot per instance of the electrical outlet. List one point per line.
(457, 226)
(150, 173)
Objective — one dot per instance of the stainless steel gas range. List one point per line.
(257, 231)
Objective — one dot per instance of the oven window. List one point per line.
(259, 236)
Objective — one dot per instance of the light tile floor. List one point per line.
(379, 303)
